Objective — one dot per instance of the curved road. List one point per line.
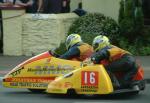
(9, 95)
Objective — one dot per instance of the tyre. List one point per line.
(37, 90)
(71, 92)
(142, 85)
(134, 93)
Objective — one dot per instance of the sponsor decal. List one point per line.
(88, 90)
(89, 87)
(29, 79)
(68, 85)
(16, 72)
(65, 85)
(60, 69)
(34, 82)
(27, 84)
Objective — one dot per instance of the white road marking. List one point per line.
(1, 78)
(94, 102)
(4, 71)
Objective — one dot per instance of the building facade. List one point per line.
(106, 7)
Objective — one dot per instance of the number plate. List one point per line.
(89, 78)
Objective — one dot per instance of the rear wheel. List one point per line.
(71, 92)
(37, 90)
(142, 85)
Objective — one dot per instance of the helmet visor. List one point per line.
(96, 44)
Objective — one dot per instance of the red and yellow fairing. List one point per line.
(38, 71)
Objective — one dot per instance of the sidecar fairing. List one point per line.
(38, 71)
(89, 80)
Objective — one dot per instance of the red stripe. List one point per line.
(41, 56)
(29, 79)
(35, 58)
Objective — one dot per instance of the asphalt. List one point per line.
(11, 95)
(9, 62)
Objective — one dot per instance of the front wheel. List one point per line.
(37, 90)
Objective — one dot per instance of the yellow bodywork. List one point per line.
(36, 73)
(87, 80)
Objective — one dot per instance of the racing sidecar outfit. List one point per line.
(79, 52)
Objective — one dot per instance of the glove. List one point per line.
(52, 51)
(87, 62)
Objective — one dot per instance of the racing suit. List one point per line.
(118, 60)
(79, 52)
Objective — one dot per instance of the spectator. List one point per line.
(52, 6)
(36, 6)
(26, 3)
(79, 11)
(65, 6)
(39, 4)
(6, 2)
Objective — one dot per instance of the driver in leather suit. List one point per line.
(77, 49)
(114, 59)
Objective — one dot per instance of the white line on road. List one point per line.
(1, 78)
(94, 102)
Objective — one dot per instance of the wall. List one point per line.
(30, 35)
(107, 7)
(24, 35)
(46, 33)
(12, 30)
